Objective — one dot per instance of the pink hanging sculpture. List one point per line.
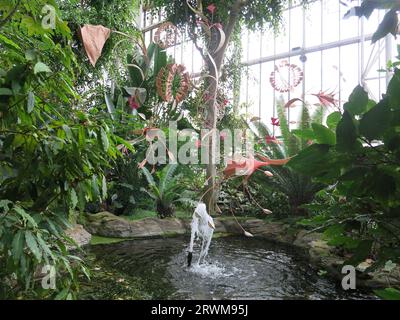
(94, 38)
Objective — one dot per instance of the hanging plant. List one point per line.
(166, 35)
(286, 77)
(173, 83)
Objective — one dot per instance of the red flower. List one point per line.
(269, 139)
(211, 8)
(275, 121)
(198, 144)
(223, 135)
(133, 103)
(226, 101)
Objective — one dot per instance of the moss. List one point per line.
(105, 240)
(170, 234)
(222, 235)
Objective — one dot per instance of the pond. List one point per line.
(236, 268)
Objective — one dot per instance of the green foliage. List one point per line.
(298, 188)
(364, 168)
(253, 14)
(240, 202)
(118, 15)
(388, 294)
(53, 155)
(390, 21)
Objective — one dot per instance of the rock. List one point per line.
(108, 225)
(383, 279)
(79, 235)
(173, 226)
(273, 231)
(230, 226)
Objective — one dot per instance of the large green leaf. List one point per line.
(346, 134)
(311, 160)
(393, 91)
(18, 245)
(323, 134)
(32, 245)
(307, 134)
(388, 25)
(376, 121)
(333, 120)
(358, 101)
(388, 293)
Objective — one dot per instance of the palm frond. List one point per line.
(166, 176)
(291, 142)
(149, 177)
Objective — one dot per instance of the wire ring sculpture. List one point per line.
(286, 76)
(173, 83)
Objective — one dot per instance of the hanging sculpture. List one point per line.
(94, 38)
(247, 166)
(166, 35)
(286, 76)
(173, 83)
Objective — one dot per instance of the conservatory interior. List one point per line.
(199, 149)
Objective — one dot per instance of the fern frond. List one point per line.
(148, 176)
(166, 176)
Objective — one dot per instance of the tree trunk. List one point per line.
(211, 195)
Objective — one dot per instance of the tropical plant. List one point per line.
(359, 153)
(125, 184)
(167, 191)
(299, 188)
(53, 156)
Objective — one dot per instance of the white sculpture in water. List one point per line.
(203, 228)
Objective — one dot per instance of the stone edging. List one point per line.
(311, 245)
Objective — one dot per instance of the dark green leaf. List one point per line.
(18, 245)
(388, 25)
(393, 91)
(32, 245)
(311, 160)
(376, 121)
(346, 134)
(358, 101)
